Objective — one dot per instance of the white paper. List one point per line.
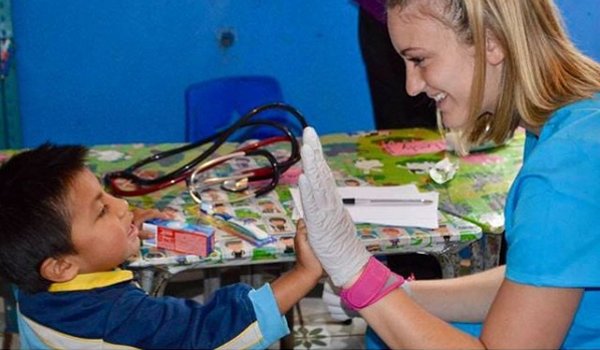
(417, 215)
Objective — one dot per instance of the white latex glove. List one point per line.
(331, 232)
(334, 305)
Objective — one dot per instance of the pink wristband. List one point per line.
(374, 283)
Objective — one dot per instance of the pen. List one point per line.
(167, 260)
(252, 231)
(386, 202)
(227, 223)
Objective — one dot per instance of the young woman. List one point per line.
(490, 65)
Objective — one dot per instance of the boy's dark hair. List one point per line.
(35, 222)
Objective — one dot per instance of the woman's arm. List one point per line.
(462, 299)
(528, 317)
(520, 316)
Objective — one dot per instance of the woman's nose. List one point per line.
(414, 82)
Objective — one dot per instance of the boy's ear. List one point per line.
(60, 269)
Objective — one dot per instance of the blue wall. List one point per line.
(114, 71)
(582, 18)
(104, 71)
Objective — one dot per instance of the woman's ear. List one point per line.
(60, 269)
(494, 53)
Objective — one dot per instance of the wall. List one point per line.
(114, 71)
(582, 18)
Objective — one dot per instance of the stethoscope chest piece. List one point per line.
(236, 185)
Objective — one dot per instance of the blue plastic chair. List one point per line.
(213, 105)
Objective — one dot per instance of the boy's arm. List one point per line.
(289, 288)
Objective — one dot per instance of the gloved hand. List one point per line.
(334, 305)
(331, 232)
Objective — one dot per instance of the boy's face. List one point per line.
(103, 232)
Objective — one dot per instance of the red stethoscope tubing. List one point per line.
(256, 174)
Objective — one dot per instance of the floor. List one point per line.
(314, 329)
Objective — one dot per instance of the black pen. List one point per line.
(386, 202)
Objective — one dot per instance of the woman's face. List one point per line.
(438, 64)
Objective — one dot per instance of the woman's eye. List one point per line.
(417, 61)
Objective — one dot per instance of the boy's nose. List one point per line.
(123, 207)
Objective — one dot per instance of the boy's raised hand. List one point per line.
(305, 257)
(331, 232)
(292, 286)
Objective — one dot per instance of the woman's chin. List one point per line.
(453, 121)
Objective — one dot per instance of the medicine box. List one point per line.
(180, 237)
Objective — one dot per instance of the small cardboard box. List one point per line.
(181, 237)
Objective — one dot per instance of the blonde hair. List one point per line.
(543, 70)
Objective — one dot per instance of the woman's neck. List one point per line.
(532, 129)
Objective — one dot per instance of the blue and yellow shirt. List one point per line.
(107, 310)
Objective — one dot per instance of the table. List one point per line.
(476, 194)
(471, 203)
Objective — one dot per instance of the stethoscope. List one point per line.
(127, 183)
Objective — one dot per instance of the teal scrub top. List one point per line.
(552, 210)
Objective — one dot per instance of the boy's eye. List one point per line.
(103, 211)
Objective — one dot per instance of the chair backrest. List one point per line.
(213, 105)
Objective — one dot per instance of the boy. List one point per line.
(63, 238)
